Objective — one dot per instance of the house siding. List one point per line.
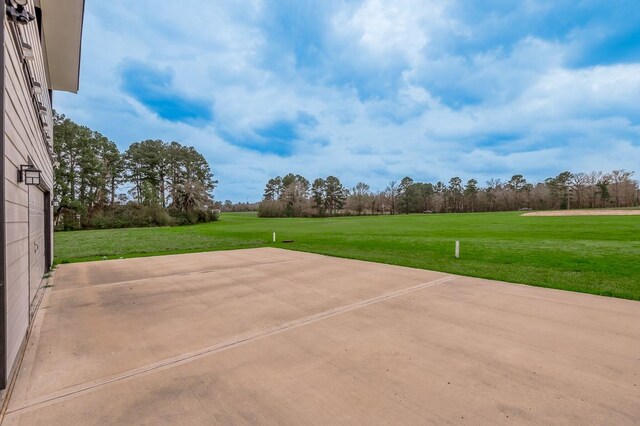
(24, 142)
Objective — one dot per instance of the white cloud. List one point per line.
(440, 105)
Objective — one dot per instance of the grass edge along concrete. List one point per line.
(590, 254)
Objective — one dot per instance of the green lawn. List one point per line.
(592, 254)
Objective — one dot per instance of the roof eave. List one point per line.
(62, 28)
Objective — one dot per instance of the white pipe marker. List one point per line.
(274, 237)
(457, 249)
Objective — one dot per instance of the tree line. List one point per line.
(152, 183)
(294, 196)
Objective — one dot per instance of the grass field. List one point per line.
(592, 254)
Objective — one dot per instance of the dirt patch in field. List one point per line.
(592, 212)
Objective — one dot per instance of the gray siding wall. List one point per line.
(24, 140)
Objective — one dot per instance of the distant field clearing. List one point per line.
(592, 212)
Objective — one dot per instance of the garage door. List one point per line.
(36, 240)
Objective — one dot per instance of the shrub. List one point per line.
(193, 217)
(270, 208)
(134, 216)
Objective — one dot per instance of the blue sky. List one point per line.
(367, 90)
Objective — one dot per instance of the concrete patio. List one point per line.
(268, 336)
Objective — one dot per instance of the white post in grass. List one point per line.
(274, 237)
(457, 249)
